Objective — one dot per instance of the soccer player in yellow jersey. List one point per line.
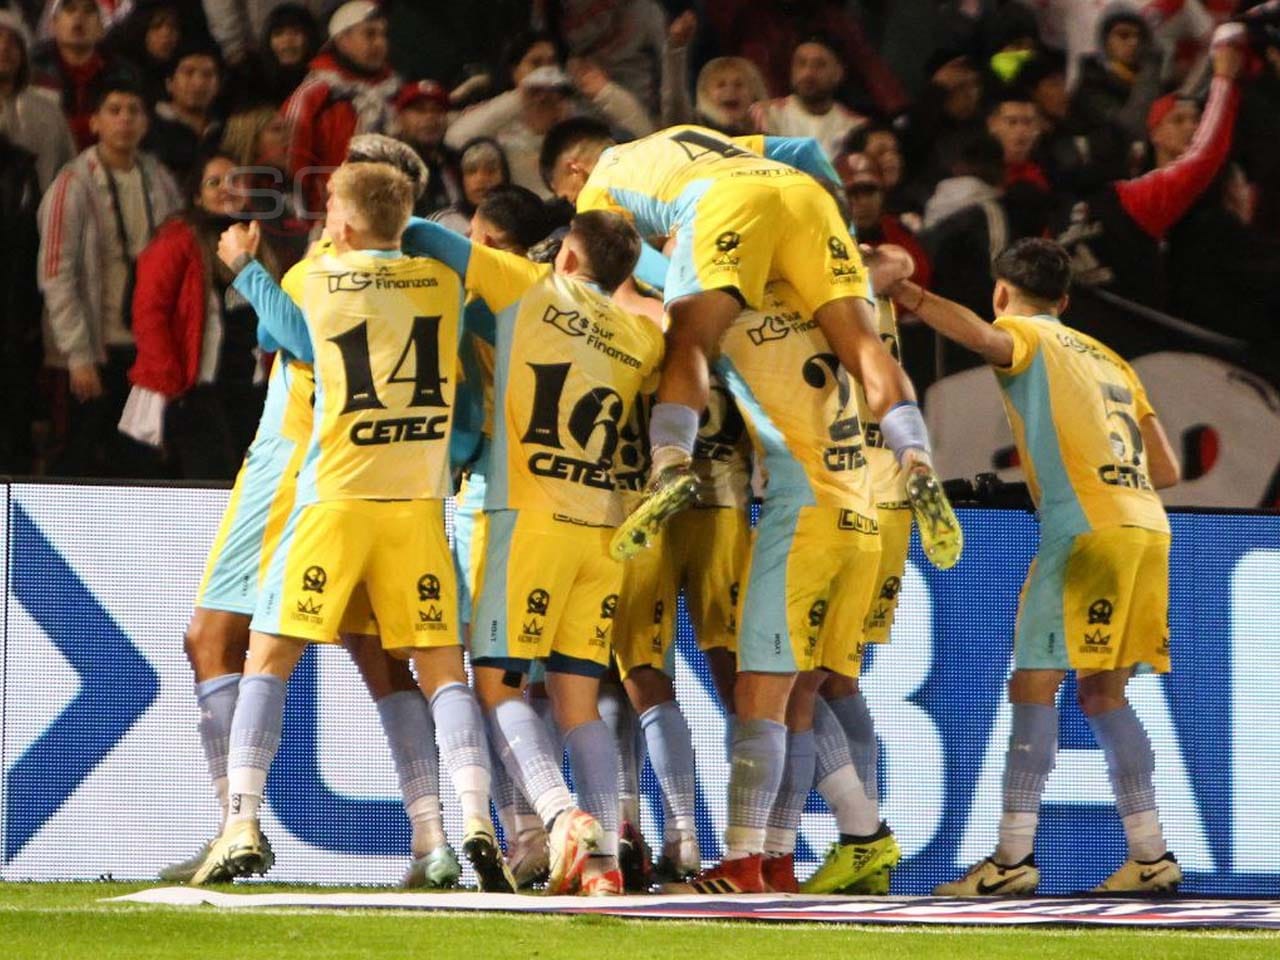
(217, 636)
(1096, 597)
(738, 219)
(369, 511)
(570, 364)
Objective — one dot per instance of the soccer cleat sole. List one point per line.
(941, 536)
(491, 870)
(637, 531)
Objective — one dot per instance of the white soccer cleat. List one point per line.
(574, 837)
(989, 879)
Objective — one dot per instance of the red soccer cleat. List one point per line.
(732, 876)
(780, 873)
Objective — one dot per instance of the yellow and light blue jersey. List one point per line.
(1076, 408)
(798, 405)
(657, 180)
(887, 478)
(385, 329)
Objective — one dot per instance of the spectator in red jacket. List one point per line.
(1013, 121)
(196, 336)
(349, 90)
(72, 62)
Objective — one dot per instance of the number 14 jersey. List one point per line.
(384, 329)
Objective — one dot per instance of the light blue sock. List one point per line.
(410, 731)
(855, 718)
(1131, 765)
(620, 717)
(532, 760)
(593, 756)
(216, 699)
(857, 814)
(670, 744)
(542, 707)
(759, 758)
(788, 806)
(673, 425)
(464, 751)
(1033, 750)
(255, 738)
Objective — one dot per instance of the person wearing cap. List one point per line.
(864, 187)
(422, 117)
(185, 126)
(811, 109)
(29, 115)
(348, 91)
(1118, 84)
(542, 95)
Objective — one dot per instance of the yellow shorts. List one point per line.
(547, 590)
(334, 557)
(702, 551)
(809, 586)
(895, 541)
(1096, 601)
(744, 231)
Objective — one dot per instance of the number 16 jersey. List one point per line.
(384, 328)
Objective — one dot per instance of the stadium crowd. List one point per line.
(958, 126)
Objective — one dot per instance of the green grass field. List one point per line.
(40, 921)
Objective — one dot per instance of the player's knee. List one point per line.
(212, 648)
(647, 687)
(837, 686)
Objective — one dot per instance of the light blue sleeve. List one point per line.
(281, 324)
(651, 269)
(423, 238)
(803, 153)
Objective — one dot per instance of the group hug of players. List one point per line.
(608, 411)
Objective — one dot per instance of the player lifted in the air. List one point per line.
(384, 330)
(739, 219)
(570, 364)
(1096, 598)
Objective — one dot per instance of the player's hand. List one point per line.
(888, 265)
(238, 240)
(681, 30)
(1228, 50)
(86, 385)
(587, 76)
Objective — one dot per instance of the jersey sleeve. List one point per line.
(803, 153)
(1025, 345)
(500, 278)
(1141, 402)
(423, 238)
(281, 324)
(594, 197)
(651, 268)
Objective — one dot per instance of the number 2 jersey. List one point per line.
(383, 328)
(799, 406)
(1075, 408)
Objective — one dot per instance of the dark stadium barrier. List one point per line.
(103, 772)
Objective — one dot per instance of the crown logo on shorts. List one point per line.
(309, 608)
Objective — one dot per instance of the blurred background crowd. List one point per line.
(133, 131)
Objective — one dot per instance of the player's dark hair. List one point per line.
(611, 244)
(517, 212)
(118, 80)
(567, 135)
(1039, 268)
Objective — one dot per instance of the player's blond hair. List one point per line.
(377, 194)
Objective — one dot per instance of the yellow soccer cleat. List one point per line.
(940, 533)
(989, 879)
(856, 867)
(1135, 876)
(241, 850)
(672, 489)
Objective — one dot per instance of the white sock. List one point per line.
(1144, 836)
(1017, 837)
(244, 788)
(428, 831)
(856, 813)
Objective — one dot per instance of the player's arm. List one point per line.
(1162, 463)
(887, 265)
(803, 153)
(281, 324)
(495, 276)
(957, 323)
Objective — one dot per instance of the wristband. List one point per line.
(903, 428)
